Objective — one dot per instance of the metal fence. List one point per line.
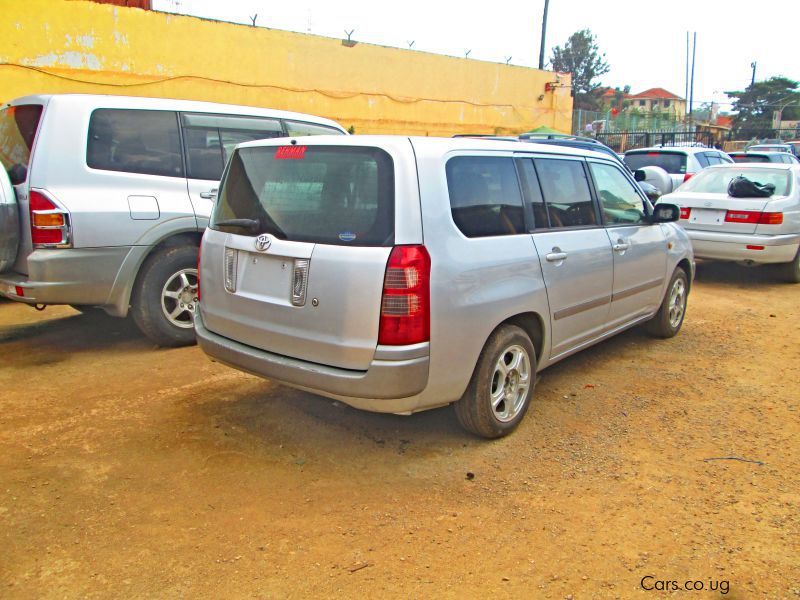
(620, 141)
(760, 134)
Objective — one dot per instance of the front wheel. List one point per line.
(501, 388)
(165, 296)
(668, 320)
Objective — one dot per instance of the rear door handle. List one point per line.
(621, 246)
(209, 195)
(556, 256)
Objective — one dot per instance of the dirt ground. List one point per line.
(131, 471)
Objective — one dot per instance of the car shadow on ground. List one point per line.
(75, 332)
(740, 275)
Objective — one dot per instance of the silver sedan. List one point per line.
(748, 230)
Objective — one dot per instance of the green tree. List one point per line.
(756, 104)
(581, 57)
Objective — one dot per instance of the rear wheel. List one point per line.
(165, 296)
(791, 270)
(668, 320)
(500, 391)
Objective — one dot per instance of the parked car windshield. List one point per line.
(18, 125)
(672, 162)
(341, 195)
(715, 181)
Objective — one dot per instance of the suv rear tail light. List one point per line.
(751, 216)
(49, 224)
(687, 177)
(685, 212)
(406, 302)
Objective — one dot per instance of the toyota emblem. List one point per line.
(263, 242)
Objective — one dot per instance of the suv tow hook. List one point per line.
(40, 307)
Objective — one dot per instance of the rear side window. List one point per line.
(210, 139)
(298, 128)
(18, 125)
(566, 192)
(672, 162)
(135, 141)
(485, 198)
(341, 195)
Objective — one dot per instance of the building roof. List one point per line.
(657, 94)
(725, 121)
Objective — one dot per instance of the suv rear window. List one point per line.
(749, 158)
(672, 162)
(18, 125)
(342, 195)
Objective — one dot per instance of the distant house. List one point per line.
(658, 100)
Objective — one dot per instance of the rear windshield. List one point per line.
(715, 181)
(749, 158)
(341, 195)
(672, 162)
(18, 125)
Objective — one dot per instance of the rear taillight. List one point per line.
(751, 216)
(771, 218)
(199, 252)
(49, 223)
(405, 306)
(687, 177)
(685, 212)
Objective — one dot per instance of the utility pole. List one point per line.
(686, 92)
(753, 79)
(544, 33)
(691, 87)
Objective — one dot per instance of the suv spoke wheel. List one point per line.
(677, 302)
(510, 382)
(179, 298)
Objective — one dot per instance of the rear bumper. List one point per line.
(387, 386)
(69, 276)
(734, 246)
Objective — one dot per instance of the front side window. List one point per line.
(298, 128)
(342, 195)
(485, 198)
(135, 141)
(210, 139)
(619, 199)
(566, 192)
(18, 125)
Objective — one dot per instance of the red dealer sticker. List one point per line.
(290, 152)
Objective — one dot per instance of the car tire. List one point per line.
(791, 270)
(501, 388)
(668, 320)
(165, 296)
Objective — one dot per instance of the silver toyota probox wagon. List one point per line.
(400, 274)
(112, 194)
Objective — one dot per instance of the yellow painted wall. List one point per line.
(85, 47)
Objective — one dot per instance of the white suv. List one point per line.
(681, 162)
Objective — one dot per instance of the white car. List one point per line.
(681, 162)
(749, 230)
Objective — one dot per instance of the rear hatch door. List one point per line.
(295, 256)
(19, 125)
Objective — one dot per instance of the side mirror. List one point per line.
(664, 212)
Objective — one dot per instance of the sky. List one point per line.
(644, 40)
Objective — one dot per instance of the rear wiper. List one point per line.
(249, 224)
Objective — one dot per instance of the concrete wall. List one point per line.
(79, 46)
